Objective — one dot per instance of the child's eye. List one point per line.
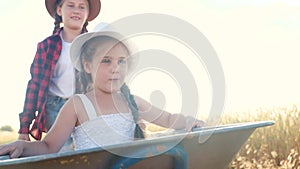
(106, 61)
(122, 61)
(82, 7)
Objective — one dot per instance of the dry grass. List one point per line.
(273, 147)
(6, 136)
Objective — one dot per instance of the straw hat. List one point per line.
(95, 6)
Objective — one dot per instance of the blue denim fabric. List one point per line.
(53, 106)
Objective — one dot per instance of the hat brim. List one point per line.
(94, 8)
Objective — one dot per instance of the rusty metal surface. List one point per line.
(214, 153)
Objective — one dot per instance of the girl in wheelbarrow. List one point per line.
(107, 113)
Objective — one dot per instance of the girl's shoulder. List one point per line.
(54, 38)
(79, 101)
(83, 107)
(75, 98)
(74, 104)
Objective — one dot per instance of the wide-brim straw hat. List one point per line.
(94, 8)
(102, 29)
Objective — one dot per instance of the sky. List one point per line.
(257, 43)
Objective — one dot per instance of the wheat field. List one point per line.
(273, 147)
(7, 136)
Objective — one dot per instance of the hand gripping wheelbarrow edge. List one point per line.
(185, 149)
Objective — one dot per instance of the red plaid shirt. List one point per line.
(41, 70)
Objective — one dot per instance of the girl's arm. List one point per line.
(37, 71)
(53, 141)
(165, 119)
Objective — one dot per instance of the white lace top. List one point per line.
(102, 130)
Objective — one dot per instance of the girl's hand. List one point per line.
(14, 149)
(24, 137)
(191, 123)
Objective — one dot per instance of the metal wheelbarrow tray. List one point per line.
(204, 148)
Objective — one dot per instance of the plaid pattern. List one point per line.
(48, 52)
(41, 70)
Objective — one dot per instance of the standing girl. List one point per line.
(53, 78)
(107, 113)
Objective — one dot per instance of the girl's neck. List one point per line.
(69, 35)
(100, 93)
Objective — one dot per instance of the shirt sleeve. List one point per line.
(33, 89)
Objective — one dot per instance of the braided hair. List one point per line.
(138, 132)
(88, 50)
(58, 19)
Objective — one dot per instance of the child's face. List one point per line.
(74, 13)
(109, 66)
